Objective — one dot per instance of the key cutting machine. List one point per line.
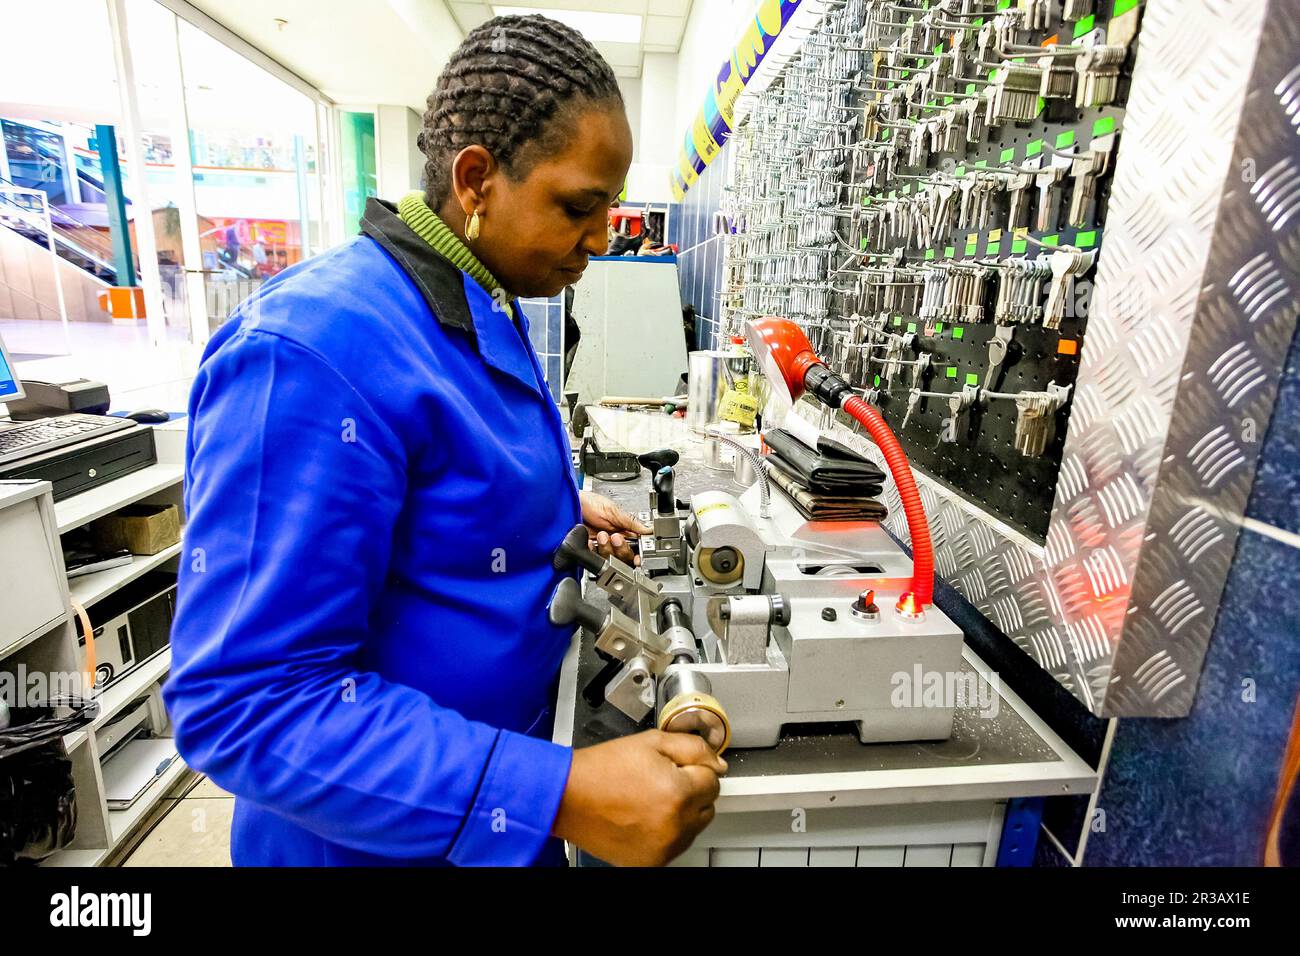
(745, 617)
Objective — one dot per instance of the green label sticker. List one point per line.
(1052, 240)
(1042, 105)
(993, 248)
(911, 326)
(1086, 240)
(959, 171)
(929, 254)
(938, 47)
(863, 243)
(982, 164)
(1007, 155)
(891, 194)
(907, 189)
(877, 381)
(949, 252)
(947, 101)
(1034, 148)
(1003, 4)
(958, 333)
(970, 248)
(970, 89)
(1065, 139)
(898, 320)
(938, 327)
(1019, 245)
(1085, 26)
(952, 372)
(972, 378)
(1121, 7)
(1103, 126)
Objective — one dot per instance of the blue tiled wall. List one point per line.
(1198, 790)
(699, 256)
(546, 330)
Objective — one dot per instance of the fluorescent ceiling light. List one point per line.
(595, 26)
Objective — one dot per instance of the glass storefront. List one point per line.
(235, 176)
(37, 158)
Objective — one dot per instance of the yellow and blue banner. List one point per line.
(713, 124)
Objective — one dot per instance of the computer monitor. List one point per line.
(11, 389)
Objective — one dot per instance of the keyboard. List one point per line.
(26, 439)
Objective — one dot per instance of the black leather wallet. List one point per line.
(830, 468)
(818, 507)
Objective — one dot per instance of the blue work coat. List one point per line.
(376, 480)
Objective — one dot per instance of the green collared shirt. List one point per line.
(428, 225)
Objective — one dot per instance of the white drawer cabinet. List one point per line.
(32, 590)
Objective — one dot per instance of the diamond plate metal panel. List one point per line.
(1198, 289)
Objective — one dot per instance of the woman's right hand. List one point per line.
(639, 800)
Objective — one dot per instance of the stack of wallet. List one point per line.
(827, 483)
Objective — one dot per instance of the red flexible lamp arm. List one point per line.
(790, 364)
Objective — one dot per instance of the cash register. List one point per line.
(74, 452)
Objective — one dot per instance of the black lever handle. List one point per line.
(594, 692)
(654, 460)
(665, 503)
(567, 606)
(574, 551)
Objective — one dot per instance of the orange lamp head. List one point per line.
(783, 352)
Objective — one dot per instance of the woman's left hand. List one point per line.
(611, 527)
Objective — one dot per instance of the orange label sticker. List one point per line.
(1067, 347)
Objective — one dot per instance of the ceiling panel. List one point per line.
(663, 23)
(363, 53)
(383, 51)
(470, 15)
(670, 8)
(620, 54)
(660, 32)
(638, 7)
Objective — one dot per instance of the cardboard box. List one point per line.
(141, 529)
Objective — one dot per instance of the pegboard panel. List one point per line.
(815, 146)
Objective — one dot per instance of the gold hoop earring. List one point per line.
(472, 226)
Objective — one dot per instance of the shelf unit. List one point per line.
(87, 589)
(53, 646)
(121, 692)
(97, 502)
(123, 822)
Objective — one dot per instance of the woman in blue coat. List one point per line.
(376, 480)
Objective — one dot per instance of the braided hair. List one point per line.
(501, 90)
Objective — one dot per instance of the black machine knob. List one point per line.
(865, 606)
(568, 607)
(654, 460)
(665, 503)
(574, 551)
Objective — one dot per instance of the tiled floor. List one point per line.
(195, 831)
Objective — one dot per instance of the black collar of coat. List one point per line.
(443, 287)
(440, 282)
